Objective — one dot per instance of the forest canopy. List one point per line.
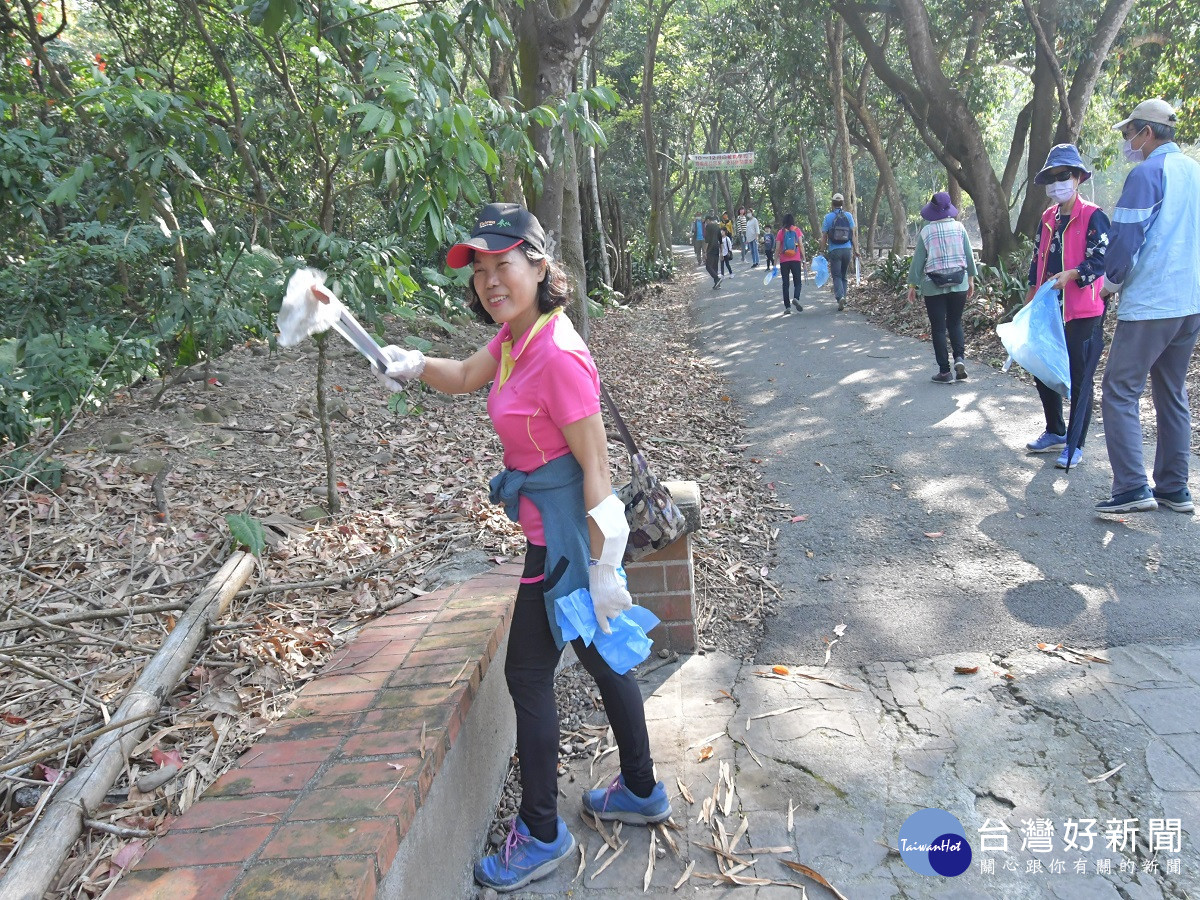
(165, 165)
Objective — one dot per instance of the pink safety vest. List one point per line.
(1078, 302)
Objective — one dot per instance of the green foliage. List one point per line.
(247, 532)
(644, 270)
(43, 378)
(1005, 285)
(43, 474)
(893, 271)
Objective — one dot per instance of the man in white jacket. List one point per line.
(752, 234)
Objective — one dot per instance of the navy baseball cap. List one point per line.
(498, 228)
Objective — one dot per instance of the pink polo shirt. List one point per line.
(552, 383)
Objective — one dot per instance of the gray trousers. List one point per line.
(1161, 349)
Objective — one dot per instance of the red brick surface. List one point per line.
(669, 607)
(176, 884)
(318, 807)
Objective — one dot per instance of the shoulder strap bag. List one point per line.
(654, 519)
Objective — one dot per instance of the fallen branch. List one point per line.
(117, 830)
(51, 677)
(47, 845)
(93, 614)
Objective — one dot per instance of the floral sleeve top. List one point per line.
(1092, 265)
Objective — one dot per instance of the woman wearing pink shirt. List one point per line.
(544, 404)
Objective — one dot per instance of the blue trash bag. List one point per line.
(820, 269)
(1036, 340)
(624, 648)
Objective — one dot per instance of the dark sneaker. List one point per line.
(960, 369)
(1139, 500)
(797, 307)
(841, 304)
(1076, 459)
(1179, 501)
(617, 803)
(1047, 442)
(523, 858)
(943, 378)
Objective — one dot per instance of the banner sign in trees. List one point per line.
(722, 161)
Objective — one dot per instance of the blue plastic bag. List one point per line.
(624, 648)
(1035, 338)
(820, 269)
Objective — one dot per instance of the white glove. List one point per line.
(610, 597)
(403, 365)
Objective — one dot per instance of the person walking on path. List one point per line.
(726, 255)
(698, 240)
(839, 244)
(769, 246)
(544, 404)
(714, 235)
(1069, 250)
(740, 236)
(752, 235)
(790, 241)
(943, 269)
(1153, 261)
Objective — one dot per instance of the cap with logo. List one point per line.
(498, 228)
(1160, 112)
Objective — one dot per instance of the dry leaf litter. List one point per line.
(93, 573)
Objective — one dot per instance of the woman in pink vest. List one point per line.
(1068, 250)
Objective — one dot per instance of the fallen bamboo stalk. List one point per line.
(48, 843)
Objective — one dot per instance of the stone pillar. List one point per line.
(665, 583)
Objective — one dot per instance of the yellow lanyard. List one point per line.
(508, 360)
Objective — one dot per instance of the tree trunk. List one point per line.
(549, 47)
(572, 245)
(835, 30)
(593, 177)
(887, 175)
(654, 169)
(1043, 109)
(944, 120)
(810, 195)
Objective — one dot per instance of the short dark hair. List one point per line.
(837, 202)
(553, 291)
(1161, 132)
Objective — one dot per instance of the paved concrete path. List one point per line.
(1017, 558)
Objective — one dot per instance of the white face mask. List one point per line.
(1134, 156)
(1061, 191)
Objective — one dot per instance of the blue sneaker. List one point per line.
(1137, 500)
(1180, 501)
(1046, 443)
(1076, 459)
(617, 803)
(523, 858)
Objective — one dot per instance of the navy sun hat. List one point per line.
(498, 228)
(1063, 156)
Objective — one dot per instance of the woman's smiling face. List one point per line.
(507, 285)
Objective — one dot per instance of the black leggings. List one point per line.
(1077, 331)
(529, 670)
